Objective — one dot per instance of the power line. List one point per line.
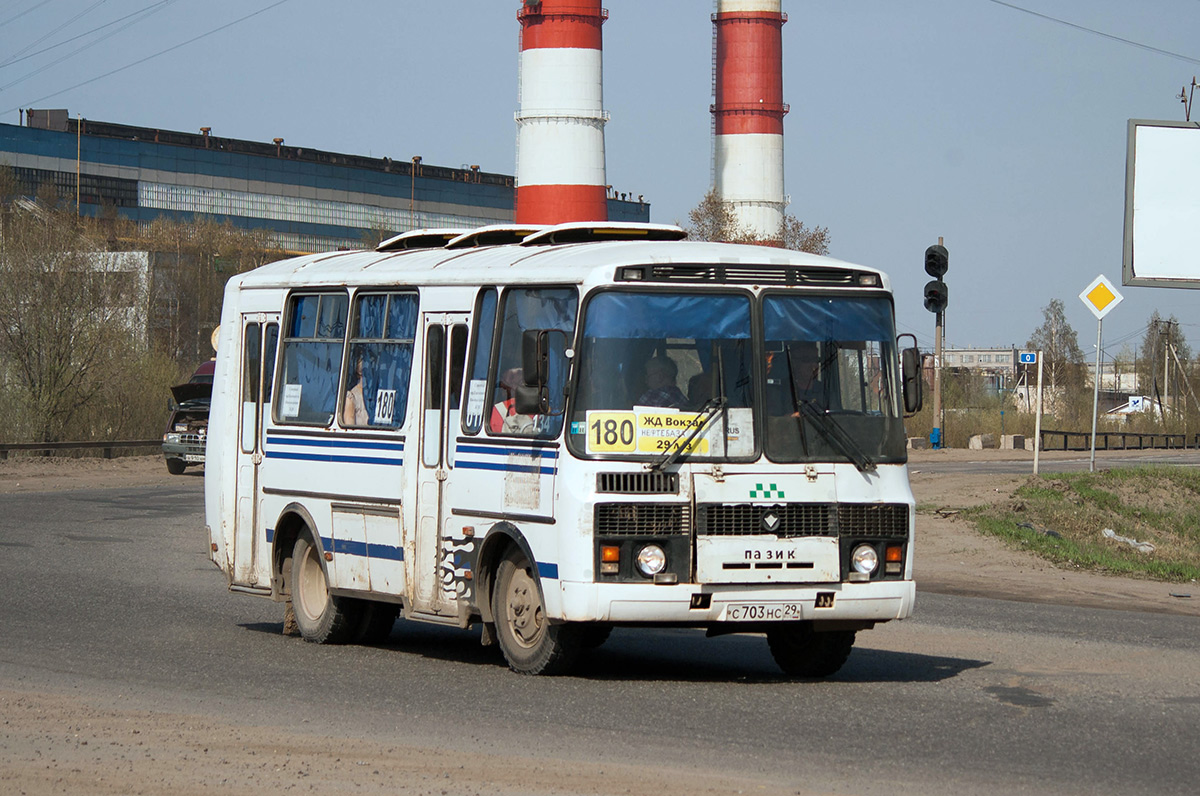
(153, 56)
(147, 11)
(1101, 33)
(23, 13)
(36, 42)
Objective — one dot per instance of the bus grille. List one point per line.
(804, 519)
(793, 519)
(638, 483)
(642, 519)
(874, 519)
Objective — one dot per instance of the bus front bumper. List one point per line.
(692, 604)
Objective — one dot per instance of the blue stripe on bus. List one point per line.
(460, 464)
(328, 457)
(544, 453)
(335, 443)
(365, 549)
(549, 571)
(391, 553)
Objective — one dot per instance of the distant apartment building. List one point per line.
(308, 200)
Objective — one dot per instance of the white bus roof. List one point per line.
(676, 262)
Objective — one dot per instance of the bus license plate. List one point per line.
(760, 612)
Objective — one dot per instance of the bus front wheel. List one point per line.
(320, 617)
(803, 652)
(531, 644)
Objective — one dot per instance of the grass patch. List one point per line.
(1062, 517)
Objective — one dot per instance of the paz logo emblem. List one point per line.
(770, 521)
(758, 491)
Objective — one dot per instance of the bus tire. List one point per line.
(803, 652)
(594, 634)
(320, 617)
(376, 623)
(531, 644)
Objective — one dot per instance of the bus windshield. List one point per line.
(832, 390)
(662, 373)
(655, 367)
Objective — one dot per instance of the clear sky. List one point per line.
(1001, 130)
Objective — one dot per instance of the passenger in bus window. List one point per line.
(700, 389)
(504, 414)
(661, 389)
(354, 413)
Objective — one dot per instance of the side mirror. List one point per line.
(538, 347)
(912, 380)
(535, 357)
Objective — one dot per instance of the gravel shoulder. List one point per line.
(954, 558)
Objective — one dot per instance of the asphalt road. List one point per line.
(108, 594)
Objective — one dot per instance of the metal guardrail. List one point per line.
(1114, 441)
(106, 447)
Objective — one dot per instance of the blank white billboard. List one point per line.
(1162, 204)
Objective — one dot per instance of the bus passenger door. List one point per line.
(445, 336)
(260, 337)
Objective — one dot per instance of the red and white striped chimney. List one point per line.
(748, 113)
(560, 126)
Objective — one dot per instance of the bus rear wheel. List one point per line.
(320, 617)
(803, 652)
(531, 644)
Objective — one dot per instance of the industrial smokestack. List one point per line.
(560, 126)
(748, 113)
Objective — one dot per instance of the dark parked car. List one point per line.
(187, 426)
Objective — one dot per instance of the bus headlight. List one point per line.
(651, 560)
(864, 559)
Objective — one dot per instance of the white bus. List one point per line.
(553, 431)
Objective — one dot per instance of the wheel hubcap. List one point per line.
(524, 610)
(311, 589)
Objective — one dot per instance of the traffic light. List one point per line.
(937, 262)
(936, 295)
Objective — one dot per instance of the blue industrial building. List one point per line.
(308, 200)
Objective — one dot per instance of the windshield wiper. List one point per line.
(683, 441)
(709, 410)
(829, 428)
(832, 431)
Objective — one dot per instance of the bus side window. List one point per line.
(312, 358)
(379, 364)
(481, 359)
(531, 308)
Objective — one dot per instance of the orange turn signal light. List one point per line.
(894, 553)
(610, 553)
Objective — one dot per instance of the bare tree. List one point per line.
(795, 235)
(1152, 356)
(65, 314)
(713, 219)
(1059, 345)
(191, 262)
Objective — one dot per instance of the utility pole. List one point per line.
(1166, 338)
(937, 262)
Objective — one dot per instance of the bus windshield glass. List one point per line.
(659, 372)
(832, 388)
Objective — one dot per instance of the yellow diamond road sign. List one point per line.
(1100, 296)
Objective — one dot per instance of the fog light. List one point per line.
(864, 559)
(651, 560)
